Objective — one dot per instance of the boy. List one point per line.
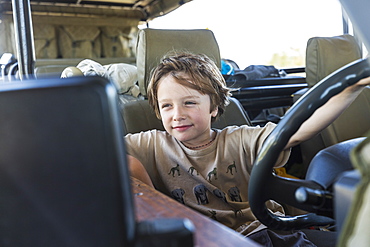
(203, 168)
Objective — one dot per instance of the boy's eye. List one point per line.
(165, 105)
(190, 103)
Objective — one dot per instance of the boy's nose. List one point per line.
(178, 114)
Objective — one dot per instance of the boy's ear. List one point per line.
(214, 112)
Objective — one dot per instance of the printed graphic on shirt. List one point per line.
(203, 195)
(200, 192)
(220, 194)
(234, 194)
(230, 168)
(214, 173)
(175, 169)
(191, 171)
(178, 195)
(238, 212)
(213, 214)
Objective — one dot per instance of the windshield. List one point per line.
(259, 32)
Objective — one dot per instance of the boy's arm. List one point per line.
(138, 171)
(327, 113)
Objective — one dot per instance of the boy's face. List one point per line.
(185, 112)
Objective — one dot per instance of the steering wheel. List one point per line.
(265, 185)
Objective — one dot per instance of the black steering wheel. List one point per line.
(265, 185)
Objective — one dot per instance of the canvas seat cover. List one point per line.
(115, 42)
(45, 41)
(79, 41)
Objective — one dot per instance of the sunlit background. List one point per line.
(264, 32)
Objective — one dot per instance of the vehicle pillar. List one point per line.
(24, 38)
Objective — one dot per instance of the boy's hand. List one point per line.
(364, 82)
(354, 90)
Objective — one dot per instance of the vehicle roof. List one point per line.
(143, 10)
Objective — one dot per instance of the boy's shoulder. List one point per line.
(235, 128)
(150, 135)
(245, 129)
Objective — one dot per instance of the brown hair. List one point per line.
(194, 71)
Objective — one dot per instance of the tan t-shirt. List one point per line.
(214, 180)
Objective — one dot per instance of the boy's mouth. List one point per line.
(182, 127)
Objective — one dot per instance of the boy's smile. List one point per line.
(185, 112)
(182, 128)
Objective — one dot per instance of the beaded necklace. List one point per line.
(202, 146)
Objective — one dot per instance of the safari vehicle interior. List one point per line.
(58, 43)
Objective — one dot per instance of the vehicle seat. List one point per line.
(154, 44)
(325, 55)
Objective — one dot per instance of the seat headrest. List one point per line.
(154, 44)
(324, 55)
